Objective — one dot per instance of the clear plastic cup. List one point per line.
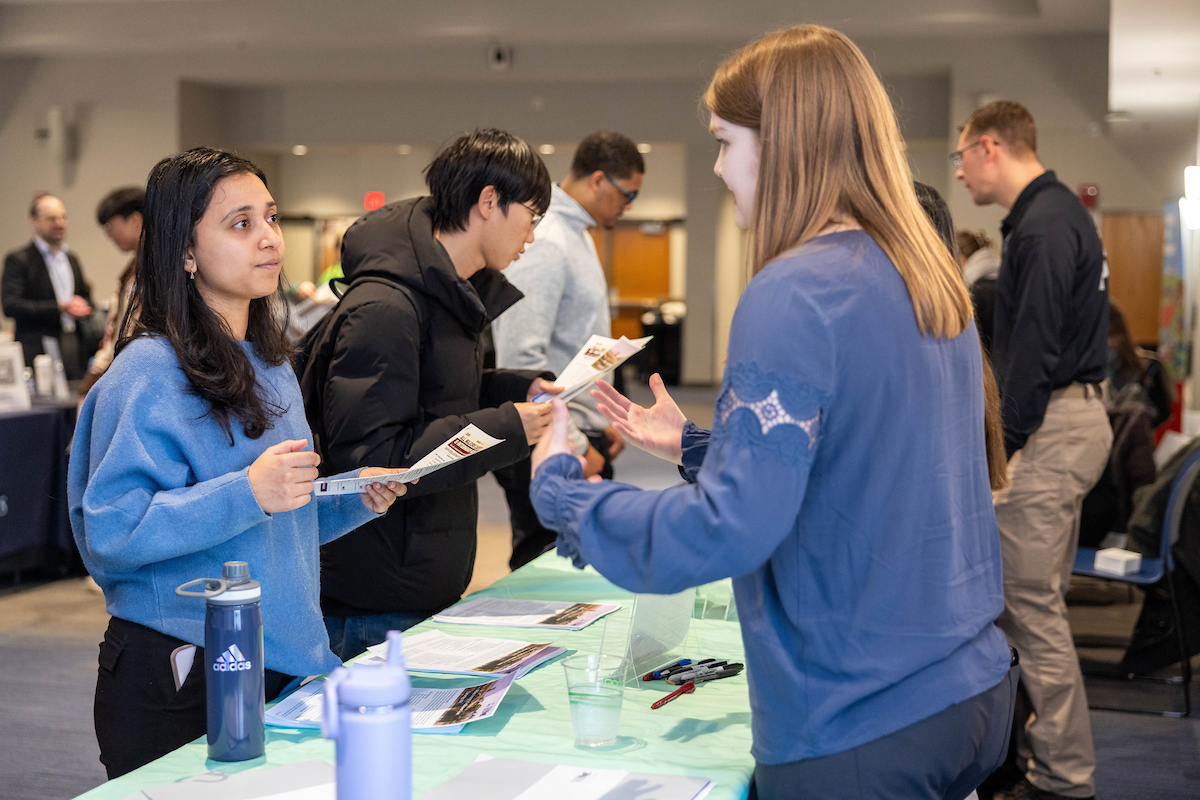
(595, 686)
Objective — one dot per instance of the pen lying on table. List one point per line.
(682, 665)
(705, 673)
(682, 690)
(659, 674)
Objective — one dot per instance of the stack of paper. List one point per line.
(433, 710)
(600, 355)
(507, 779)
(467, 442)
(434, 651)
(504, 612)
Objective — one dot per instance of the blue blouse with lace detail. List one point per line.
(844, 487)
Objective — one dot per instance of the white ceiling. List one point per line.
(1154, 80)
(73, 27)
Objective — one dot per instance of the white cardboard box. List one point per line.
(1116, 561)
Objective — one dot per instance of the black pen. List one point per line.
(697, 671)
(728, 672)
(684, 666)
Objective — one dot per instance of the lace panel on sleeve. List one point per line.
(769, 410)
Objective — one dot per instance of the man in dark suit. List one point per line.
(43, 289)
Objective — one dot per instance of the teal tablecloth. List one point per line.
(705, 733)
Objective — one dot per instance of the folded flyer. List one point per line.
(467, 442)
(511, 613)
(599, 355)
(433, 710)
(434, 651)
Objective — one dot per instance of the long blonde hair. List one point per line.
(831, 147)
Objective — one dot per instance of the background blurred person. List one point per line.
(979, 259)
(1049, 350)
(1136, 374)
(981, 266)
(120, 214)
(44, 290)
(565, 303)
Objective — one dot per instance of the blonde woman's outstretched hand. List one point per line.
(658, 429)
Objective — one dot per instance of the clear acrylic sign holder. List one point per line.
(650, 634)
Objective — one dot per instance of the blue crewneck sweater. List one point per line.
(159, 497)
(844, 487)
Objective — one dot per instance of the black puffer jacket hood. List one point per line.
(397, 241)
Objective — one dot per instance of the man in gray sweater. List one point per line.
(566, 302)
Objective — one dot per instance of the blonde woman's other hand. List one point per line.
(556, 440)
(658, 429)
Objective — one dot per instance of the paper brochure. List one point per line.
(599, 356)
(512, 613)
(467, 442)
(433, 710)
(434, 651)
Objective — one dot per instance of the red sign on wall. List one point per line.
(373, 200)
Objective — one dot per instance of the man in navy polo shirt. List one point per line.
(1048, 349)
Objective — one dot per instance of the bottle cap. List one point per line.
(376, 685)
(235, 572)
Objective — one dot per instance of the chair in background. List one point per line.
(1154, 570)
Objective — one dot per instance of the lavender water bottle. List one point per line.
(233, 668)
(366, 713)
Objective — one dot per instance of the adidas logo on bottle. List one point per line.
(232, 660)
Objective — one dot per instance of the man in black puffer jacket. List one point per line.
(397, 368)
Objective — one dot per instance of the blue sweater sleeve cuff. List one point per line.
(553, 504)
(695, 445)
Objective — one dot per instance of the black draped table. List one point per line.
(35, 531)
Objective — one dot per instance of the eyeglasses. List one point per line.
(629, 196)
(956, 158)
(534, 217)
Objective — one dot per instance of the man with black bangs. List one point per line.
(397, 368)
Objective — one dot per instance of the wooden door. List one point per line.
(637, 262)
(1134, 245)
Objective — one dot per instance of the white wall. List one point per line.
(332, 181)
(679, 179)
(126, 116)
(133, 113)
(732, 276)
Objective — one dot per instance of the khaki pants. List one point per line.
(1038, 516)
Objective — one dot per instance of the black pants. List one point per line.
(529, 538)
(138, 713)
(942, 757)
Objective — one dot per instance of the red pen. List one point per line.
(685, 689)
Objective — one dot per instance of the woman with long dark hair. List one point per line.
(844, 485)
(191, 451)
